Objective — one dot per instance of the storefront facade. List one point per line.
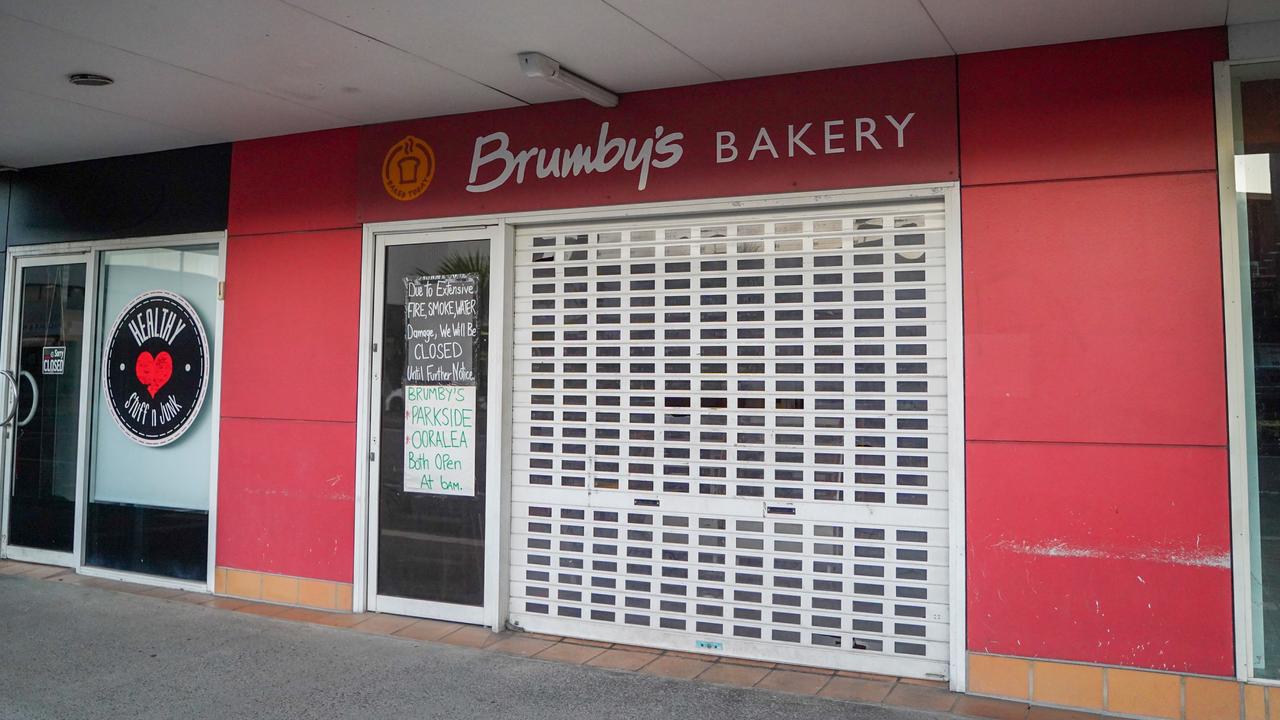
(92, 479)
(934, 368)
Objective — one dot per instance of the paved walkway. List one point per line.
(72, 649)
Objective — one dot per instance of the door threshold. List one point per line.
(428, 610)
(144, 579)
(40, 557)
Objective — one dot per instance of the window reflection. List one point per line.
(148, 507)
(1257, 171)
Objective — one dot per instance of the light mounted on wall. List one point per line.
(537, 65)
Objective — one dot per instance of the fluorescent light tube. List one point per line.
(537, 65)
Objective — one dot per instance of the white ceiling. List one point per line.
(191, 72)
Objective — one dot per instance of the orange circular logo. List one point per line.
(408, 168)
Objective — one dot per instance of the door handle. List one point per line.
(13, 397)
(35, 399)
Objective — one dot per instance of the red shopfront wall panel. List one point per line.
(286, 473)
(1113, 107)
(295, 182)
(286, 478)
(1093, 311)
(1107, 554)
(1096, 475)
(292, 322)
(286, 497)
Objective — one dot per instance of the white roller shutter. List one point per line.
(730, 435)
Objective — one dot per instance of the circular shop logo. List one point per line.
(155, 368)
(408, 168)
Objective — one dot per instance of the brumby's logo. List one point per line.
(408, 168)
(661, 151)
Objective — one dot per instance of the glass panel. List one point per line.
(149, 504)
(1256, 91)
(434, 383)
(47, 425)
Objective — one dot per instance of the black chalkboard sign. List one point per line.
(440, 329)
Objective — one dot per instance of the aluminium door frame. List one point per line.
(497, 571)
(1234, 310)
(15, 265)
(92, 250)
(364, 594)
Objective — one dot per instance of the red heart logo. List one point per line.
(153, 372)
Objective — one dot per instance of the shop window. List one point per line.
(148, 508)
(1256, 99)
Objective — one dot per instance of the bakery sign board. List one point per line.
(877, 125)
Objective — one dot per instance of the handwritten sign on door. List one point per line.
(440, 329)
(440, 439)
(440, 384)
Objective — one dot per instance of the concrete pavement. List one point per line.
(79, 652)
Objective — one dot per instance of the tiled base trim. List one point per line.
(1122, 692)
(282, 589)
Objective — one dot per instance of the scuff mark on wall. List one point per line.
(1191, 557)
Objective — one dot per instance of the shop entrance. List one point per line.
(738, 434)
(108, 401)
(429, 412)
(45, 371)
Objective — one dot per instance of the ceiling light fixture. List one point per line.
(537, 65)
(89, 79)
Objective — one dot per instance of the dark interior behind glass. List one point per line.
(430, 547)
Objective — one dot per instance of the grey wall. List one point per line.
(1254, 40)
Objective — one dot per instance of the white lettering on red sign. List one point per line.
(867, 135)
(660, 151)
(494, 163)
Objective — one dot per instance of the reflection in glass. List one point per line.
(47, 423)
(148, 508)
(1257, 168)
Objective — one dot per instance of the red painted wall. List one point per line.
(1097, 508)
(1098, 516)
(286, 476)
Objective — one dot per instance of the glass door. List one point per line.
(46, 369)
(429, 413)
(1256, 136)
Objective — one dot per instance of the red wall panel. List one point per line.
(291, 326)
(1093, 311)
(286, 497)
(1111, 554)
(286, 478)
(295, 182)
(1096, 475)
(1114, 107)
